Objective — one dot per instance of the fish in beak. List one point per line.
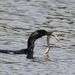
(55, 36)
(48, 43)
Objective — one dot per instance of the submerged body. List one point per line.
(31, 40)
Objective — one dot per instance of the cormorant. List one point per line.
(31, 40)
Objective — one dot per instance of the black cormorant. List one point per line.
(31, 40)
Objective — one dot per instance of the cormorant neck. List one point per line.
(34, 36)
(30, 55)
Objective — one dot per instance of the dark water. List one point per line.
(19, 18)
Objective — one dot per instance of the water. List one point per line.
(19, 18)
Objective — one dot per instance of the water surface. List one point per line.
(19, 18)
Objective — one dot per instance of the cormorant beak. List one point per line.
(55, 36)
